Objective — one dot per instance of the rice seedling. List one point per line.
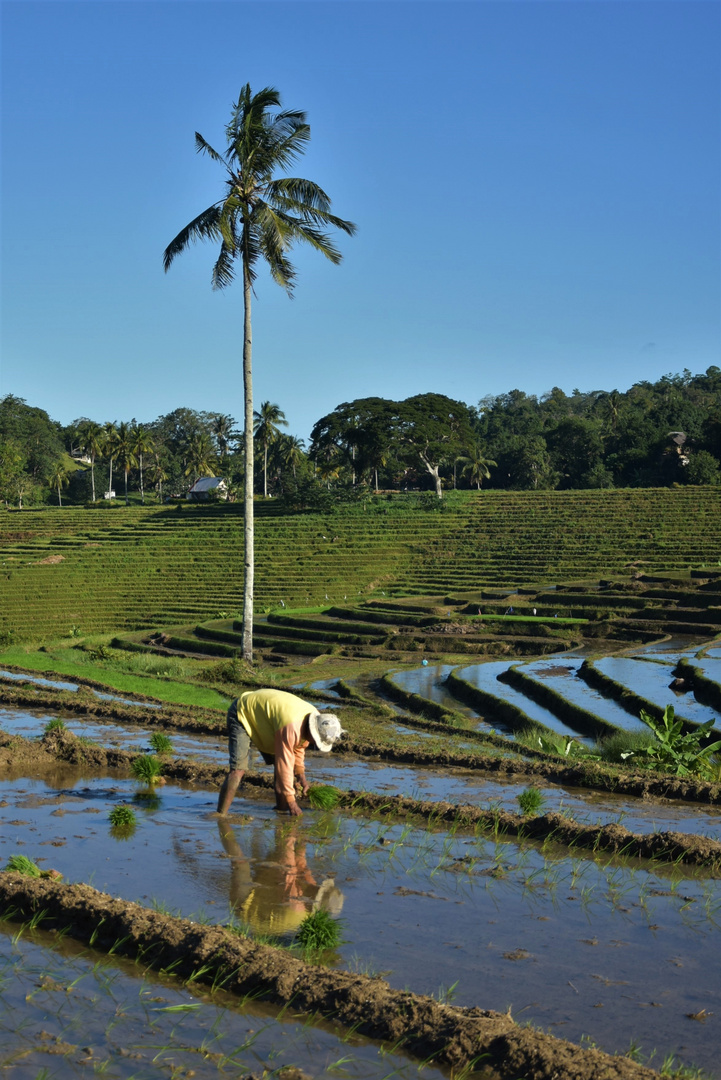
(323, 797)
(54, 725)
(147, 768)
(530, 801)
(22, 865)
(160, 743)
(122, 817)
(318, 931)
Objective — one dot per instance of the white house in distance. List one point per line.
(208, 487)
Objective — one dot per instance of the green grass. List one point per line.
(160, 743)
(77, 664)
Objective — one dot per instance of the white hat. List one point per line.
(325, 729)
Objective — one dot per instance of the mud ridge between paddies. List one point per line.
(217, 956)
(20, 755)
(594, 775)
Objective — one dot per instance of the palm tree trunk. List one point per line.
(142, 493)
(248, 524)
(126, 488)
(92, 474)
(265, 469)
(110, 485)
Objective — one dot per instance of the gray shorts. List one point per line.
(239, 742)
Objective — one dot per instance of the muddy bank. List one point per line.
(18, 754)
(214, 955)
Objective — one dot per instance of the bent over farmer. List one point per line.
(281, 726)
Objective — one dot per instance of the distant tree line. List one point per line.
(655, 434)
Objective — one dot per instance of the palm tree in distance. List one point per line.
(266, 427)
(125, 451)
(59, 478)
(259, 216)
(91, 443)
(201, 458)
(477, 466)
(110, 447)
(142, 444)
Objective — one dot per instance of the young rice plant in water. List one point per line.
(22, 865)
(160, 743)
(318, 931)
(54, 725)
(530, 801)
(323, 797)
(122, 817)
(146, 768)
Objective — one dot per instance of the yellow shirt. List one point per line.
(272, 719)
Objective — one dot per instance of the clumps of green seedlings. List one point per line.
(54, 725)
(323, 797)
(318, 931)
(22, 865)
(147, 768)
(122, 817)
(623, 745)
(530, 801)
(160, 743)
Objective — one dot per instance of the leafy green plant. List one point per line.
(54, 725)
(146, 767)
(75, 631)
(677, 751)
(622, 745)
(318, 931)
(22, 865)
(122, 817)
(160, 743)
(531, 801)
(323, 797)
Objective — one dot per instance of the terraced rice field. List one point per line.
(129, 568)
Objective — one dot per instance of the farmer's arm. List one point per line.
(286, 742)
(299, 765)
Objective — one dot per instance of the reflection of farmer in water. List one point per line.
(281, 726)
(274, 895)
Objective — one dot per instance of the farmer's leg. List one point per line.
(238, 750)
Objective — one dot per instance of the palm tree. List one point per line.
(477, 466)
(125, 452)
(292, 451)
(142, 444)
(259, 217)
(159, 475)
(266, 427)
(110, 447)
(201, 458)
(91, 443)
(59, 478)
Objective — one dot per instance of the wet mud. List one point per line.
(426, 1028)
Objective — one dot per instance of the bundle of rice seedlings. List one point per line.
(318, 931)
(22, 865)
(323, 796)
(122, 817)
(146, 768)
(160, 743)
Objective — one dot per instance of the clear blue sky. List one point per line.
(536, 187)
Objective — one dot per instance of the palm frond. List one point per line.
(204, 227)
(223, 271)
(203, 147)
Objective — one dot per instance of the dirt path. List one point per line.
(211, 954)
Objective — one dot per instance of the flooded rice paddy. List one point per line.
(84, 1013)
(592, 948)
(618, 951)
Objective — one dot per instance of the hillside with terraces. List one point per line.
(130, 569)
